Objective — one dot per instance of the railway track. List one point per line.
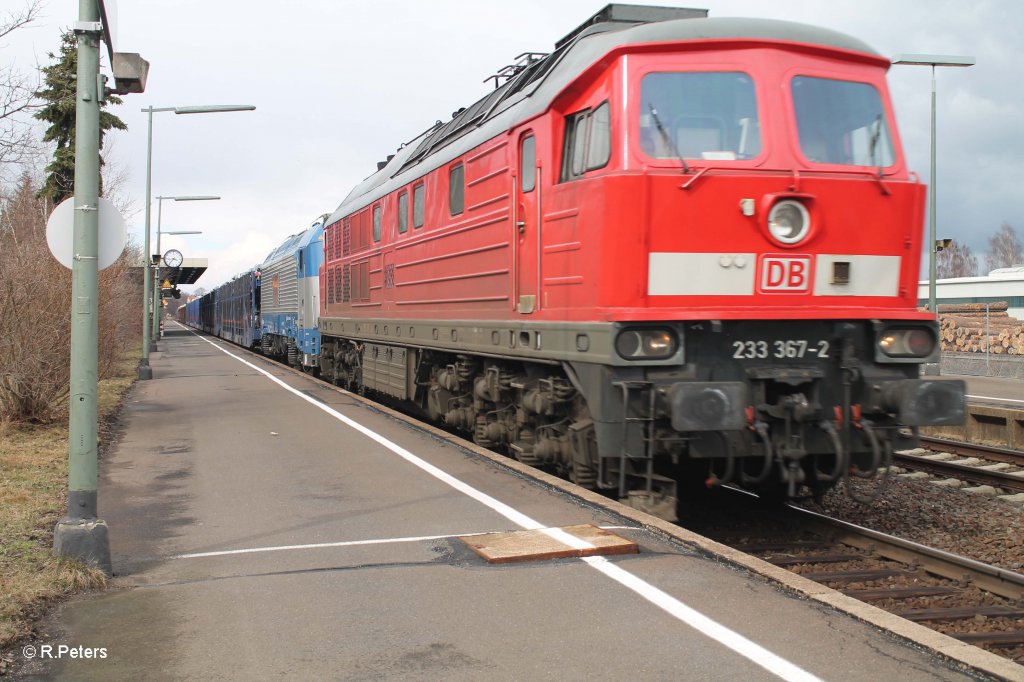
(974, 602)
(981, 465)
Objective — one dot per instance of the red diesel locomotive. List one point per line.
(674, 250)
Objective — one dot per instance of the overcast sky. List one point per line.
(340, 84)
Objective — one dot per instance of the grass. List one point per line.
(33, 497)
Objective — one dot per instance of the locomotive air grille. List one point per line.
(346, 284)
(287, 299)
(346, 240)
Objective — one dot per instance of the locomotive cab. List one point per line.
(763, 204)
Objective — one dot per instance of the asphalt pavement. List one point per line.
(266, 526)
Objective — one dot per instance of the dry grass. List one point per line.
(33, 497)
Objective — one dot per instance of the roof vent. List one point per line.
(628, 15)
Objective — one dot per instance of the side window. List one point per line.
(579, 144)
(417, 205)
(376, 223)
(528, 164)
(456, 189)
(403, 212)
(588, 144)
(599, 148)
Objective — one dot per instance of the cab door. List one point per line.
(526, 227)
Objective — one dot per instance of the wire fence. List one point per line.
(983, 365)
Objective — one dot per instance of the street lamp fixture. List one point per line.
(145, 372)
(156, 266)
(932, 60)
(211, 109)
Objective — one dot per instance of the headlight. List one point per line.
(646, 343)
(906, 343)
(789, 222)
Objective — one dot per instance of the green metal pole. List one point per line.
(157, 293)
(80, 534)
(931, 214)
(145, 371)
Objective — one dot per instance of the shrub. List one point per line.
(35, 312)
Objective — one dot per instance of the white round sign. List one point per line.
(60, 229)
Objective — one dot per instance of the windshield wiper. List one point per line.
(873, 144)
(665, 138)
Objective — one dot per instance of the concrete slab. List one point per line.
(984, 490)
(939, 456)
(998, 466)
(329, 551)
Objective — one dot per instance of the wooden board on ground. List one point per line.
(535, 545)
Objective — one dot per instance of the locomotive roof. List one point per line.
(532, 90)
(293, 243)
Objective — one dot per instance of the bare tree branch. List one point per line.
(1004, 249)
(17, 97)
(15, 19)
(956, 261)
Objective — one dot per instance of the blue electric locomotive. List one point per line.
(290, 299)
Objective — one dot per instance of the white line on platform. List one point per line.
(319, 545)
(706, 626)
(349, 543)
(989, 397)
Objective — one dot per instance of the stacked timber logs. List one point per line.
(963, 327)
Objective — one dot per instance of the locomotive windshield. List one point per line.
(701, 115)
(841, 122)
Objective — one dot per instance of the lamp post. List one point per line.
(932, 60)
(81, 534)
(156, 268)
(145, 371)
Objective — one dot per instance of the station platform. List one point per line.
(267, 526)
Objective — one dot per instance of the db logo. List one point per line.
(785, 274)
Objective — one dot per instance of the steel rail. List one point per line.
(989, 452)
(938, 562)
(972, 474)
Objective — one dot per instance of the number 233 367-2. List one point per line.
(792, 349)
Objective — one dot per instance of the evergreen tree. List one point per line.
(59, 95)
